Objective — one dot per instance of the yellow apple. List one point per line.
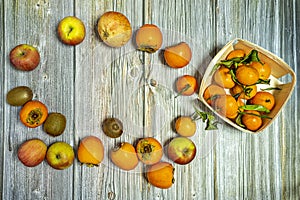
(71, 30)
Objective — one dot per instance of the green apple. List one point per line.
(181, 150)
(24, 57)
(60, 155)
(71, 30)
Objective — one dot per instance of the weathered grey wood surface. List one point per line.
(92, 81)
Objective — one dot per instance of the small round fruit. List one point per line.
(186, 85)
(226, 105)
(18, 96)
(32, 152)
(71, 30)
(24, 57)
(244, 92)
(247, 75)
(60, 155)
(252, 120)
(185, 126)
(124, 156)
(265, 99)
(112, 127)
(264, 70)
(161, 175)
(181, 150)
(55, 124)
(33, 114)
(114, 29)
(223, 78)
(90, 151)
(212, 92)
(178, 56)
(148, 38)
(236, 53)
(149, 150)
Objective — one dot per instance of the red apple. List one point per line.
(71, 30)
(181, 150)
(32, 152)
(60, 155)
(24, 57)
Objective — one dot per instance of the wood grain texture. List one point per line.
(92, 81)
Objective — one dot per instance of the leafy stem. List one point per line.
(211, 124)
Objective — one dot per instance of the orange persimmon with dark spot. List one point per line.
(33, 114)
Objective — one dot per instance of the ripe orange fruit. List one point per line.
(178, 56)
(252, 122)
(246, 92)
(226, 105)
(33, 114)
(223, 78)
(161, 175)
(236, 53)
(90, 151)
(149, 150)
(212, 92)
(124, 156)
(263, 98)
(247, 75)
(186, 85)
(264, 70)
(185, 126)
(148, 38)
(240, 103)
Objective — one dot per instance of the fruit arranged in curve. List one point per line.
(124, 156)
(90, 151)
(32, 152)
(60, 155)
(24, 57)
(33, 113)
(161, 175)
(18, 96)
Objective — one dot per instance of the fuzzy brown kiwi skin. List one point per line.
(18, 96)
(112, 127)
(55, 124)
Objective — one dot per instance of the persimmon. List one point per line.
(212, 92)
(252, 120)
(223, 78)
(178, 56)
(149, 150)
(263, 98)
(148, 38)
(124, 156)
(247, 75)
(161, 175)
(226, 105)
(264, 70)
(33, 113)
(186, 85)
(244, 92)
(236, 53)
(90, 151)
(185, 126)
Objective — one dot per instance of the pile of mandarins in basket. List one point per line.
(235, 89)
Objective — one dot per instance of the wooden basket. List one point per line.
(279, 69)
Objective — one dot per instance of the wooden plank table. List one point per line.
(91, 81)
